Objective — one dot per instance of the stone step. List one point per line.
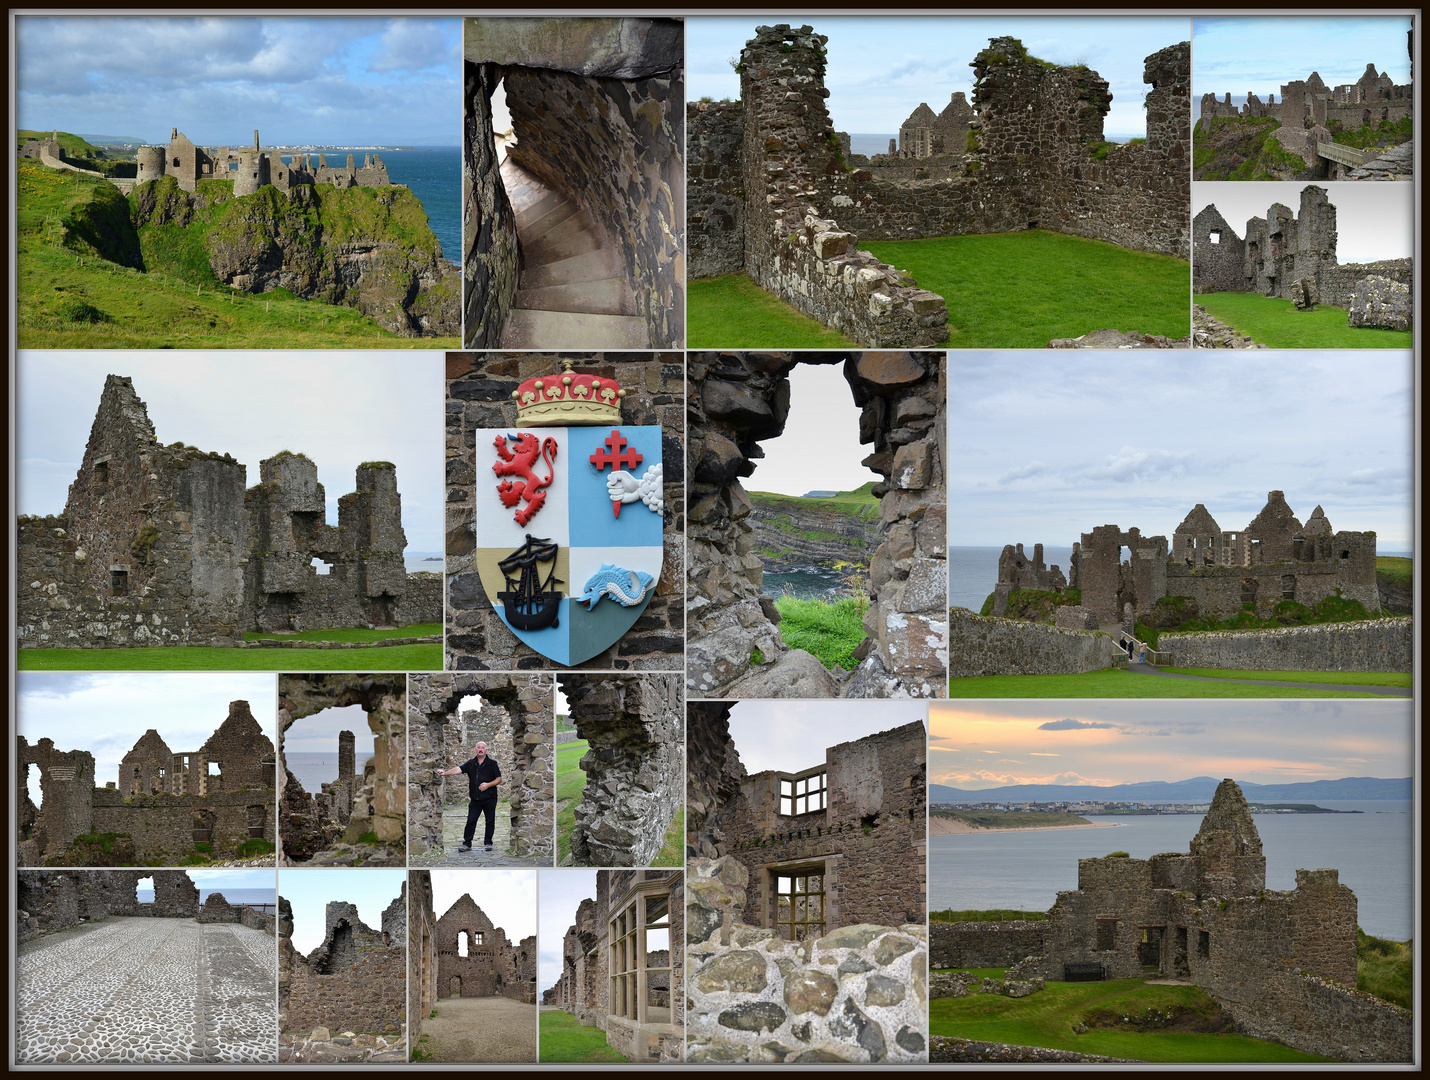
(530, 329)
(533, 228)
(589, 266)
(574, 236)
(536, 206)
(604, 296)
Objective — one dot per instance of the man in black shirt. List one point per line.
(483, 776)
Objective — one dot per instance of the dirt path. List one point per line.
(480, 1029)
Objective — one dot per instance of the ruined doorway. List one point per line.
(1149, 949)
(455, 990)
(463, 942)
(1181, 969)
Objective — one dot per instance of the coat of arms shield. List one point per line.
(570, 514)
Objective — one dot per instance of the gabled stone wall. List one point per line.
(355, 980)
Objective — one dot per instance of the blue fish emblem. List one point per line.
(626, 587)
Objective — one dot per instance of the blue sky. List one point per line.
(339, 408)
(880, 69)
(326, 80)
(1236, 55)
(1041, 449)
(371, 890)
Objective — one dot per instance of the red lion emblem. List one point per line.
(519, 464)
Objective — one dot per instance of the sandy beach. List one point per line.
(946, 826)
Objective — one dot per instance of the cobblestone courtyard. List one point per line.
(143, 989)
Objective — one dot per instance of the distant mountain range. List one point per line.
(1197, 789)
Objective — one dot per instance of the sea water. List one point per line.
(869, 145)
(806, 583)
(973, 571)
(254, 897)
(1024, 869)
(313, 769)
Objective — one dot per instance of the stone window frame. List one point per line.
(1204, 944)
(797, 874)
(627, 951)
(1105, 941)
(795, 796)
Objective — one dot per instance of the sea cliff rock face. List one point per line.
(791, 532)
(365, 248)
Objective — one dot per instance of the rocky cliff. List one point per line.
(365, 248)
(793, 532)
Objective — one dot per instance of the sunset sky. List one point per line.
(992, 744)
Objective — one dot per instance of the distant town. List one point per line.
(1124, 809)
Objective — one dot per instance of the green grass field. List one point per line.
(198, 658)
(732, 312)
(1275, 323)
(564, 1039)
(416, 630)
(69, 297)
(1386, 968)
(672, 852)
(1353, 678)
(830, 629)
(570, 782)
(1048, 1019)
(1113, 683)
(1023, 289)
(1396, 569)
(948, 915)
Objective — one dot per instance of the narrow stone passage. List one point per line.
(145, 989)
(572, 292)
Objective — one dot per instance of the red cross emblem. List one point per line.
(618, 456)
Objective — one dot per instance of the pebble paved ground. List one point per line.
(454, 820)
(480, 1029)
(144, 990)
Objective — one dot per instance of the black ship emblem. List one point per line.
(531, 604)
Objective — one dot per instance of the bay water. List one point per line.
(313, 769)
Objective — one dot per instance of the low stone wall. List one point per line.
(715, 190)
(1338, 283)
(367, 997)
(985, 645)
(943, 1050)
(1322, 1017)
(259, 920)
(983, 944)
(857, 994)
(1369, 645)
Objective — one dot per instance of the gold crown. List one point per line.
(568, 399)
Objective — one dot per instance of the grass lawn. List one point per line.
(1113, 683)
(1395, 568)
(1359, 678)
(564, 1039)
(732, 312)
(570, 782)
(1047, 1019)
(948, 915)
(672, 853)
(1275, 323)
(417, 630)
(1022, 289)
(830, 629)
(199, 658)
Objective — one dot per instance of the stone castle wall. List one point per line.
(166, 827)
(479, 389)
(857, 994)
(366, 996)
(1369, 645)
(53, 900)
(634, 766)
(715, 191)
(984, 944)
(421, 953)
(735, 402)
(980, 645)
(492, 260)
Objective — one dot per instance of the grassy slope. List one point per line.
(197, 658)
(1124, 684)
(672, 852)
(1021, 290)
(564, 1039)
(948, 915)
(732, 312)
(1010, 819)
(1359, 678)
(1396, 569)
(1047, 1019)
(570, 782)
(418, 630)
(1385, 968)
(831, 630)
(1242, 148)
(1274, 322)
(59, 266)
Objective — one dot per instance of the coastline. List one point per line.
(944, 826)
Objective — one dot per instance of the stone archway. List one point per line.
(735, 400)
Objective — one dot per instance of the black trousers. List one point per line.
(475, 810)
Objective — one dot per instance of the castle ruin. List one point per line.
(251, 169)
(924, 135)
(770, 196)
(162, 805)
(1283, 964)
(623, 964)
(162, 545)
(52, 900)
(1293, 256)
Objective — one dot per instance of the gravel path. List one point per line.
(143, 989)
(480, 1029)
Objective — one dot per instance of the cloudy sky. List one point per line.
(990, 744)
(339, 408)
(561, 894)
(1236, 55)
(1373, 221)
(318, 734)
(309, 890)
(507, 897)
(328, 81)
(793, 735)
(235, 878)
(880, 69)
(106, 714)
(819, 449)
(1043, 446)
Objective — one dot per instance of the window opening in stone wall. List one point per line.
(321, 566)
(625, 963)
(1215, 236)
(119, 583)
(258, 822)
(1345, 554)
(505, 135)
(1180, 967)
(101, 474)
(1106, 935)
(1149, 949)
(806, 795)
(463, 941)
(144, 886)
(657, 959)
(33, 786)
(1288, 586)
(1248, 590)
(799, 904)
(1204, 944)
